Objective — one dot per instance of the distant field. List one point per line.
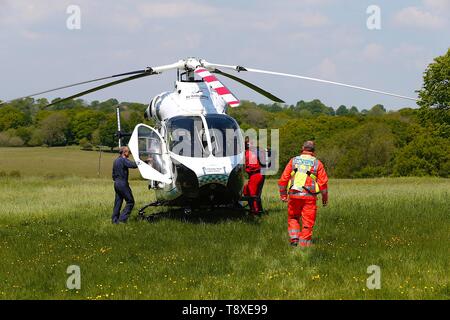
(49, 223)
(57, 162)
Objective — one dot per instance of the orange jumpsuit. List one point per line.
(302, 204)
(255, 182)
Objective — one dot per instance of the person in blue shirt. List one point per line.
(121, 186)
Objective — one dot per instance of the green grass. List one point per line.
(57, 162)
(47, 224)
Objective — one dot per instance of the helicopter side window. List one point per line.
(226, 137)
(150, 149)
(187, 137)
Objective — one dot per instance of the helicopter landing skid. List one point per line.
(141, 212)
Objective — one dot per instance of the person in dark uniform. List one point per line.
(121, 186)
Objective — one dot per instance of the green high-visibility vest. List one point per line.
(304, 166)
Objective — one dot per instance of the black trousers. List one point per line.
(123, 192)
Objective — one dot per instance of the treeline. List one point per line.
(26, 122)
(352, 144)
(375, 143)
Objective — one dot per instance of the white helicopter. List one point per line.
(195, 155)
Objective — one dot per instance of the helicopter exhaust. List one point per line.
(152, 111)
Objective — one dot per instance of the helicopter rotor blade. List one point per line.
(218, 86)
(103, 86)
(241, 68)
(81, 83)
(146, 71)
(250, 85)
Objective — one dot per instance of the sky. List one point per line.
(327, 39)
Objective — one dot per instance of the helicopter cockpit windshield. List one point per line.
(187, 137)
(226, 138)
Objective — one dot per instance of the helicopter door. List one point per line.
(150, 152)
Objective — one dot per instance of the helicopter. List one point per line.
(195, 154)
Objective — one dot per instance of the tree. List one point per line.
(9, 139)
(26, 105)
(53, 129)
(4, 139)
(377, 110)
(248, 115)
(107, 131)
(11, 117)
(24, 133)
(434, 97)
(364, 151)
(85, 123)
(108, 105)
(85, 144)
(69, 104)
(426, 155)
(353, 110)
(36, 138)
(316, 107)
(41, 115)
(132, 119)
(342, 111)
(16, 142)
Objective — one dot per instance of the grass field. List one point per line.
(58, 162)
(48, 222)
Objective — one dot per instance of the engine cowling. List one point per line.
(153, 109)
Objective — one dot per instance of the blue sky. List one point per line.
(318, 38)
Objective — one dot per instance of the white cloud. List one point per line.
(264, 25)
(313, 19)
(305, 3)
(438, 5)
(345, 37)
(373, 52)
(119, 17)
(175, 9)
(327, 69)
(30, 35)
(21, 12)
(25, 12)
(412, 56)
(415, 17)
(189, 42)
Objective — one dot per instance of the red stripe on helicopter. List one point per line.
(222, 90)
(217, 86)
(209, 79)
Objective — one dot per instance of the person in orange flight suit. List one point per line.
(254, 185)
(302, 180)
